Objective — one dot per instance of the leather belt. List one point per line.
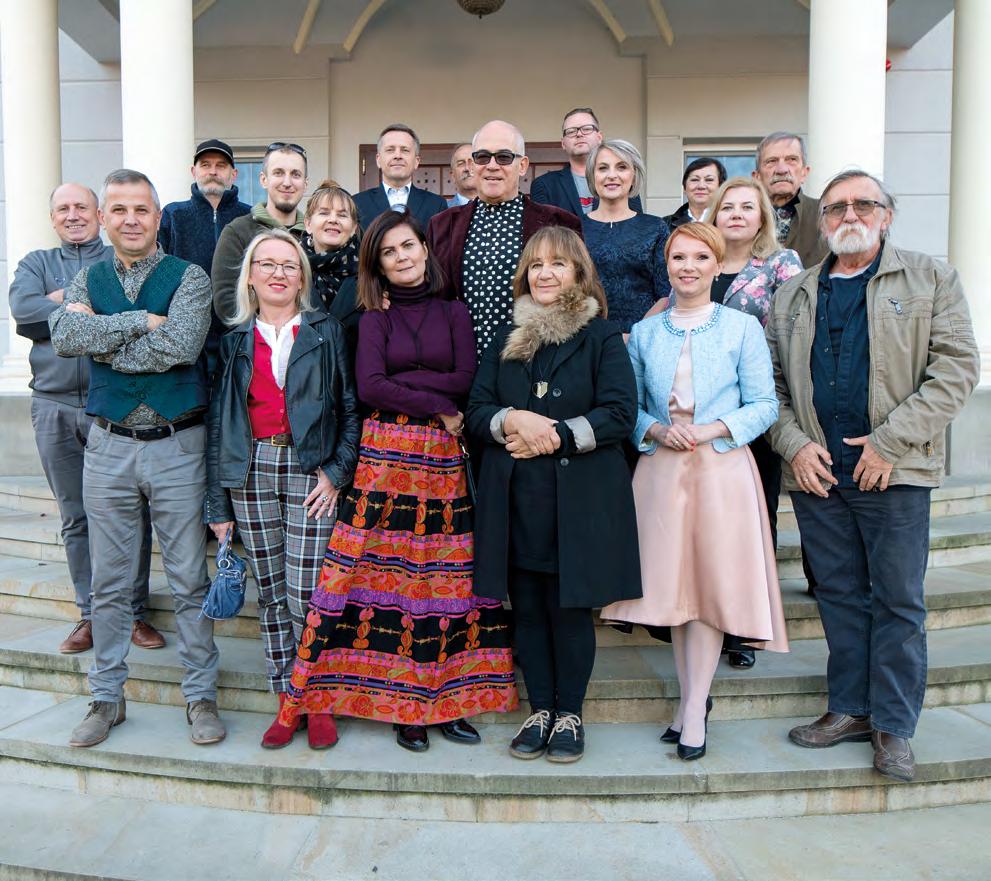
(148, 434)
(276, 440)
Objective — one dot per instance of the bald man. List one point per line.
(479, 244)
(59, 388)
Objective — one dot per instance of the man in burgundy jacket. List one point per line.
(479, 244)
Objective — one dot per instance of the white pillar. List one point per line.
(32, 146)
(970, 192)
(156, 91)
(847, 49)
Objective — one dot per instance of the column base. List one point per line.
(15, 374)
(969, 449)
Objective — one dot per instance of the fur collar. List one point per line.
(538, 326)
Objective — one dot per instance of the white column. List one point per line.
(970, 193)
(156, 91)
(32, 146)
(847, 49)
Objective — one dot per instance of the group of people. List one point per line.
(412, 411)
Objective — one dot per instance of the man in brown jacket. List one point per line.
(874, 355)
(782, 167)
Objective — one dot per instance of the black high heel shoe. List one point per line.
(690, 753)
(672, 736)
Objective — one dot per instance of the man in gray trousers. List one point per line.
(142, 317)
(58, 403)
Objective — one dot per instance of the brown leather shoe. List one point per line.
(893, 756)
(831, 729)
(79, 640)
(145, 636)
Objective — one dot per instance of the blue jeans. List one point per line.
(868, 551)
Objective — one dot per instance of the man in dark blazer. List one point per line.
(567, 188)
(398, 156)
(479, 244)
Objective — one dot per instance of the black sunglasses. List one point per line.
(284, 145)
(502, 157)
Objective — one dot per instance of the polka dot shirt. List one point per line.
(492, 252)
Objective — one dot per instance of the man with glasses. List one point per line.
(283, 177)
(567, 187)
(141, 318)
(874, 355)
(479, 244)
(397, 157)
(782, 167)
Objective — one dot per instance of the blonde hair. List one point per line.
(766, 241)
(705, 233)
(246, 300)
(330, 192)
(562, 242)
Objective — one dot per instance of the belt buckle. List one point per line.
(275, 443)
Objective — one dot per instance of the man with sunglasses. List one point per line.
(397, 157)
(284, 179)
(479, 244)
(874, 355)
(567, 187)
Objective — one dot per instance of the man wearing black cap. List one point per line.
(190, 229)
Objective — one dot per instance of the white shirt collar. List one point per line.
(281, 345)
(396, 195)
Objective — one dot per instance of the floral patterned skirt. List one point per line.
(393, 631)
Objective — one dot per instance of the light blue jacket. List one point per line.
(731, 375)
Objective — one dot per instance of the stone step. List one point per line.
(751, 769)
(954, 540)
(957, 596)
(629, 683)
(138, 837)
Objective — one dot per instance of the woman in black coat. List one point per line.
(282, 440)
(555, 525)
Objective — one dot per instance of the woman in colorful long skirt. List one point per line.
(394, 632)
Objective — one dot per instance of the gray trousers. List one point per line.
(121, 477)
(60, 431)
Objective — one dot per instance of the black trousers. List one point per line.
(555, 646)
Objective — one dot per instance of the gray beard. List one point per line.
(853, 239)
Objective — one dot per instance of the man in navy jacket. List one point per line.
(567, 188)
(398, 157)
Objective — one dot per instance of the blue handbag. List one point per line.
(225, 598)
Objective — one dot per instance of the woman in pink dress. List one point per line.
(705, 391)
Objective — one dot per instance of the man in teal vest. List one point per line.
(142, 317)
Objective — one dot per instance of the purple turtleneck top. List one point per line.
(418, 357)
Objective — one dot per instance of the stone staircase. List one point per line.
(751, 771)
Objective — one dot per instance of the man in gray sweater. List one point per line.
(58, 404)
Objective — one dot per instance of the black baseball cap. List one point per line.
(214, 146)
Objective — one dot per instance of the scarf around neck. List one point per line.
(332, 267)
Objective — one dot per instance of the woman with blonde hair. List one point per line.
(705, 390)
(282, 439)
(555, 528)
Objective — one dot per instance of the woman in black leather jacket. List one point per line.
(283, 435)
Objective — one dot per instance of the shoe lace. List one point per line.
(199, 707)
(567, 723)
(96, 707)
(541, 718)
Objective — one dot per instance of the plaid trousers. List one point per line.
(285, 550)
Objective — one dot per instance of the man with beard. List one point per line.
(567, 187)
(190, 229)
(283, 177)
(463, 175)
(782, 167)
(874, 355)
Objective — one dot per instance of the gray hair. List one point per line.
(454, 152)
(246, 301)
(774, 137)
(854, 174)
(69, 183)
(519, 142)
(624, 150)
(404, 129)
(128, 176)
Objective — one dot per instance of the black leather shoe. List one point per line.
(531, 740)
(743, 659)
(567, 740)
(412, 737)
(672, 736)
(690, 753)
(459, 731)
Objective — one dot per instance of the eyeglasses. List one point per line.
(861, 207)
(285, 145)
(580, 130)
(268, 267)
(502, 157)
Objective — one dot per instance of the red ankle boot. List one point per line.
(321, 730)
(279, 735)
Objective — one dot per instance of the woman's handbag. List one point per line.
(225, 597)
(469, 476)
